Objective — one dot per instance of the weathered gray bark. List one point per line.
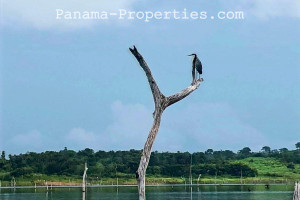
(84, 177)
(161, 103)
(296, 195)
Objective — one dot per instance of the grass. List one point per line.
(271, 167)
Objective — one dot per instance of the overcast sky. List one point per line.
(75, 84)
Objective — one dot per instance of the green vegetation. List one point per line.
(66, 167)
(272, 167)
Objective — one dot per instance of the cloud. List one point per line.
(267, 8)
(276, 8)
(79, 138)
(207, 125)
(128, 130)
(194, 127)
(42, 14)
(31, 141)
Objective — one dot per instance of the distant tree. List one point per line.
(266, 149)
(209, 151)
(235, 169)
(198, 157)
(290, 166)
(283, 150)
(103, 164)
(274, 151)
(3, 155)
(246, 151)
(297, 145)
(88, 152)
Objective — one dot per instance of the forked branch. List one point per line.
(161, 103)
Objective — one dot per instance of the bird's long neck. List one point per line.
(194, 58)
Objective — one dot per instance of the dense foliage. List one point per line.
(109, 164)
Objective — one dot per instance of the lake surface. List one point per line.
(207, 192)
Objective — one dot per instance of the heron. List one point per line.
(197, 65)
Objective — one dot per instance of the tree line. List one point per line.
(124, 163)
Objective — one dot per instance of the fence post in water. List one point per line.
(83, 178)
(297, 191)
(198, 180)
(241, 176)
(216, 178)
(13, 182)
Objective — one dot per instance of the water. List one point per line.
(207, 192)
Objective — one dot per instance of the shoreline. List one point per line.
(149, 185)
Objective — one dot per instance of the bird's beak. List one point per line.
(190, 55)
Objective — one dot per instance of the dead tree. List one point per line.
(161, 103)
(84, 178)
(296, 195)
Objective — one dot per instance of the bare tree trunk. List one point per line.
(296, 195)
(84, 177)
(161, 103)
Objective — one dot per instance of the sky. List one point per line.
(74, 83)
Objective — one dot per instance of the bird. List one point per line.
(197, 65)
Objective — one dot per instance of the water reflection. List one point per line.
(207, 192)
(83, 195)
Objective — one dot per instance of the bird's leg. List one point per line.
(194, 80)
